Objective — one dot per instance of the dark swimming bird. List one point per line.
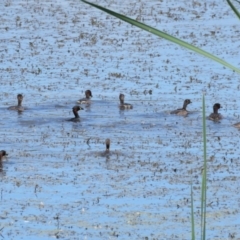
(182, 111)
(2, 154)
(122, 104)
(75, 110)
(107, 142)
(87, 99)
(19, 107)
(107, 152)
(237, 125)
(215, 116)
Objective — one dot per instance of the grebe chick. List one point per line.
(236, 125)
(107, 142)
(87, 99)
(2, 154)
(122, 104)
(107, 152)
(19, 107)
(215, 116)
(75, 110)
(182, 111)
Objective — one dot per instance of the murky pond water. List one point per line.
(55, 182)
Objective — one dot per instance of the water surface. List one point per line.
(55, 182)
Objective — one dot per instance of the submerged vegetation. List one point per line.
(208, 55)
(167, 36)
(57, 181)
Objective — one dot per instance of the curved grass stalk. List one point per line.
(233, 8)
(165, 35)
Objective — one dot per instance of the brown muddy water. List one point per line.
(55, 182)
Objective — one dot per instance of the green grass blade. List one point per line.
(192, 215)
(203, 206)
(165, 35)
(233, 8)
(204, 176)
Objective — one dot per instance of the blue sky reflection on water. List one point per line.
(55, 182)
